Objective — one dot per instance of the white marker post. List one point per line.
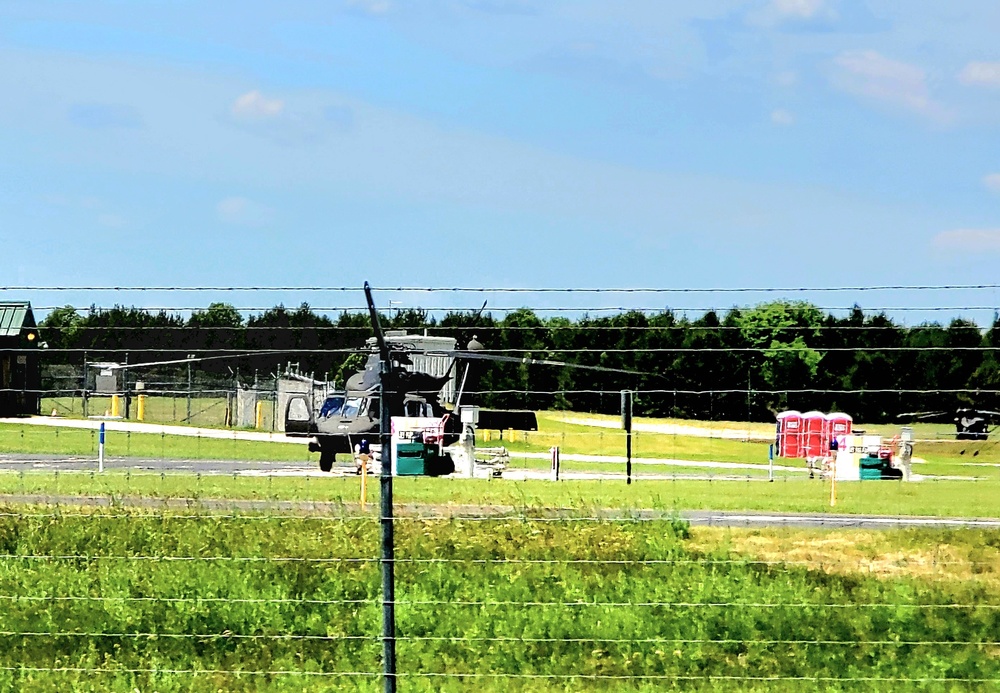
(833, 483)
(100, 450)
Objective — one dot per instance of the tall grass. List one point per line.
(121, 600)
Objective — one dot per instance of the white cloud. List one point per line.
(778, 12)
(780, 116)
(788, 78)
(980, 74)
(111, 221)
(798, 9)
(371, 6)
(969, 240)
(992, 182)
(255, 106)
(279, 122)
(241, 211)
(871, 76)
(87, 207)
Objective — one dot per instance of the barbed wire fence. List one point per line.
(137, 590)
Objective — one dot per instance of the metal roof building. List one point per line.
(20, 373)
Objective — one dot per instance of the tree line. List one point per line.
(743, 364)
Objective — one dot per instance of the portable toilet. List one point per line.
(788, 434)
(813, 427)
(837, 424)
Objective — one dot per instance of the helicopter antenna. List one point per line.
(383, 348)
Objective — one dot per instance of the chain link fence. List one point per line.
(168, 397)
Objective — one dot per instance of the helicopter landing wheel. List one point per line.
(325, 461)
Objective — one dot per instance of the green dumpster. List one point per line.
(871, 468)
(411, 459)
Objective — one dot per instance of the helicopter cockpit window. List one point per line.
(352, 407)
(331, 407)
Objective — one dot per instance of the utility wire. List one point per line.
(566, 290)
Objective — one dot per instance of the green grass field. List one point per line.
(216, 598)
(140, 600)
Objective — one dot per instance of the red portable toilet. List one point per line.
(837, 424)
(813, 427)
(789, 434)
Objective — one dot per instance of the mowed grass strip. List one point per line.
(791, 491)
(571, 439)
(964, 499)
(54, 440)
(123, 600)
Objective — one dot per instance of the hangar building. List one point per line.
(20, 371)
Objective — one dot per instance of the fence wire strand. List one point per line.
(458, 605)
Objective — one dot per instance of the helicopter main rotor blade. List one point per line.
(530, 361)
(924, 414)
(383, 348)
(196, 359)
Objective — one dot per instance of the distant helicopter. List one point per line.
(422, 370)
(970, 424)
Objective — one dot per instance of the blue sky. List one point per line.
(510, 143)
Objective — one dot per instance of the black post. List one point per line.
(388, 547)
(83, 404)
(627, 425)
(128, 400)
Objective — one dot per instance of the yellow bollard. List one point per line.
(115, 405)
(140, 408)
(259, 416)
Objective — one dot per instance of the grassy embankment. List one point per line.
(95, 603)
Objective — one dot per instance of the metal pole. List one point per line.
(128, 400)
(84, 403)
(388, 545)
(188, 419)
(627, 425)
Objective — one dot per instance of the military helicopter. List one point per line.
(423, 381)
(970, 424)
